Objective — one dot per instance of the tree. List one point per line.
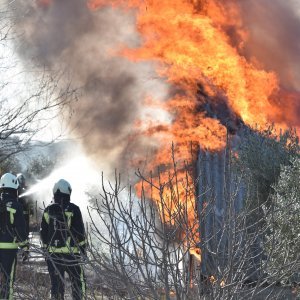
(29, 99)
(262, 153)
(285, 220)
(41, 166)
(141, 248)
(149, 248)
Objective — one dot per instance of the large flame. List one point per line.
(190, 43)
(197, 41)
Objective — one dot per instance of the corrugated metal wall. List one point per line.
(221, 195)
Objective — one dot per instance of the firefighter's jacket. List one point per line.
(13, 232)
(75, 242)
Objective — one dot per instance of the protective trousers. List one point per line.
(8, 262)
(58, 264)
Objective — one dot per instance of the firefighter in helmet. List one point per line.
(12, 233)
(63, 238)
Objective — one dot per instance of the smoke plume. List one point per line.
(274, 29)
(65, 35)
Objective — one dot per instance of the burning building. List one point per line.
(153, 73)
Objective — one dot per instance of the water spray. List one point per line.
(79, 172)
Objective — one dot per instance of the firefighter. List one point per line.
(27, 208)
(12, 233)
(24, 200)
(63, 238)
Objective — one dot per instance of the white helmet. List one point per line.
(21, 179)
(62, 186)
(9, 180)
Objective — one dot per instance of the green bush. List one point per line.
(261, 155)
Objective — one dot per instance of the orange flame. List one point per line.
(189, 41)
(190, 47)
